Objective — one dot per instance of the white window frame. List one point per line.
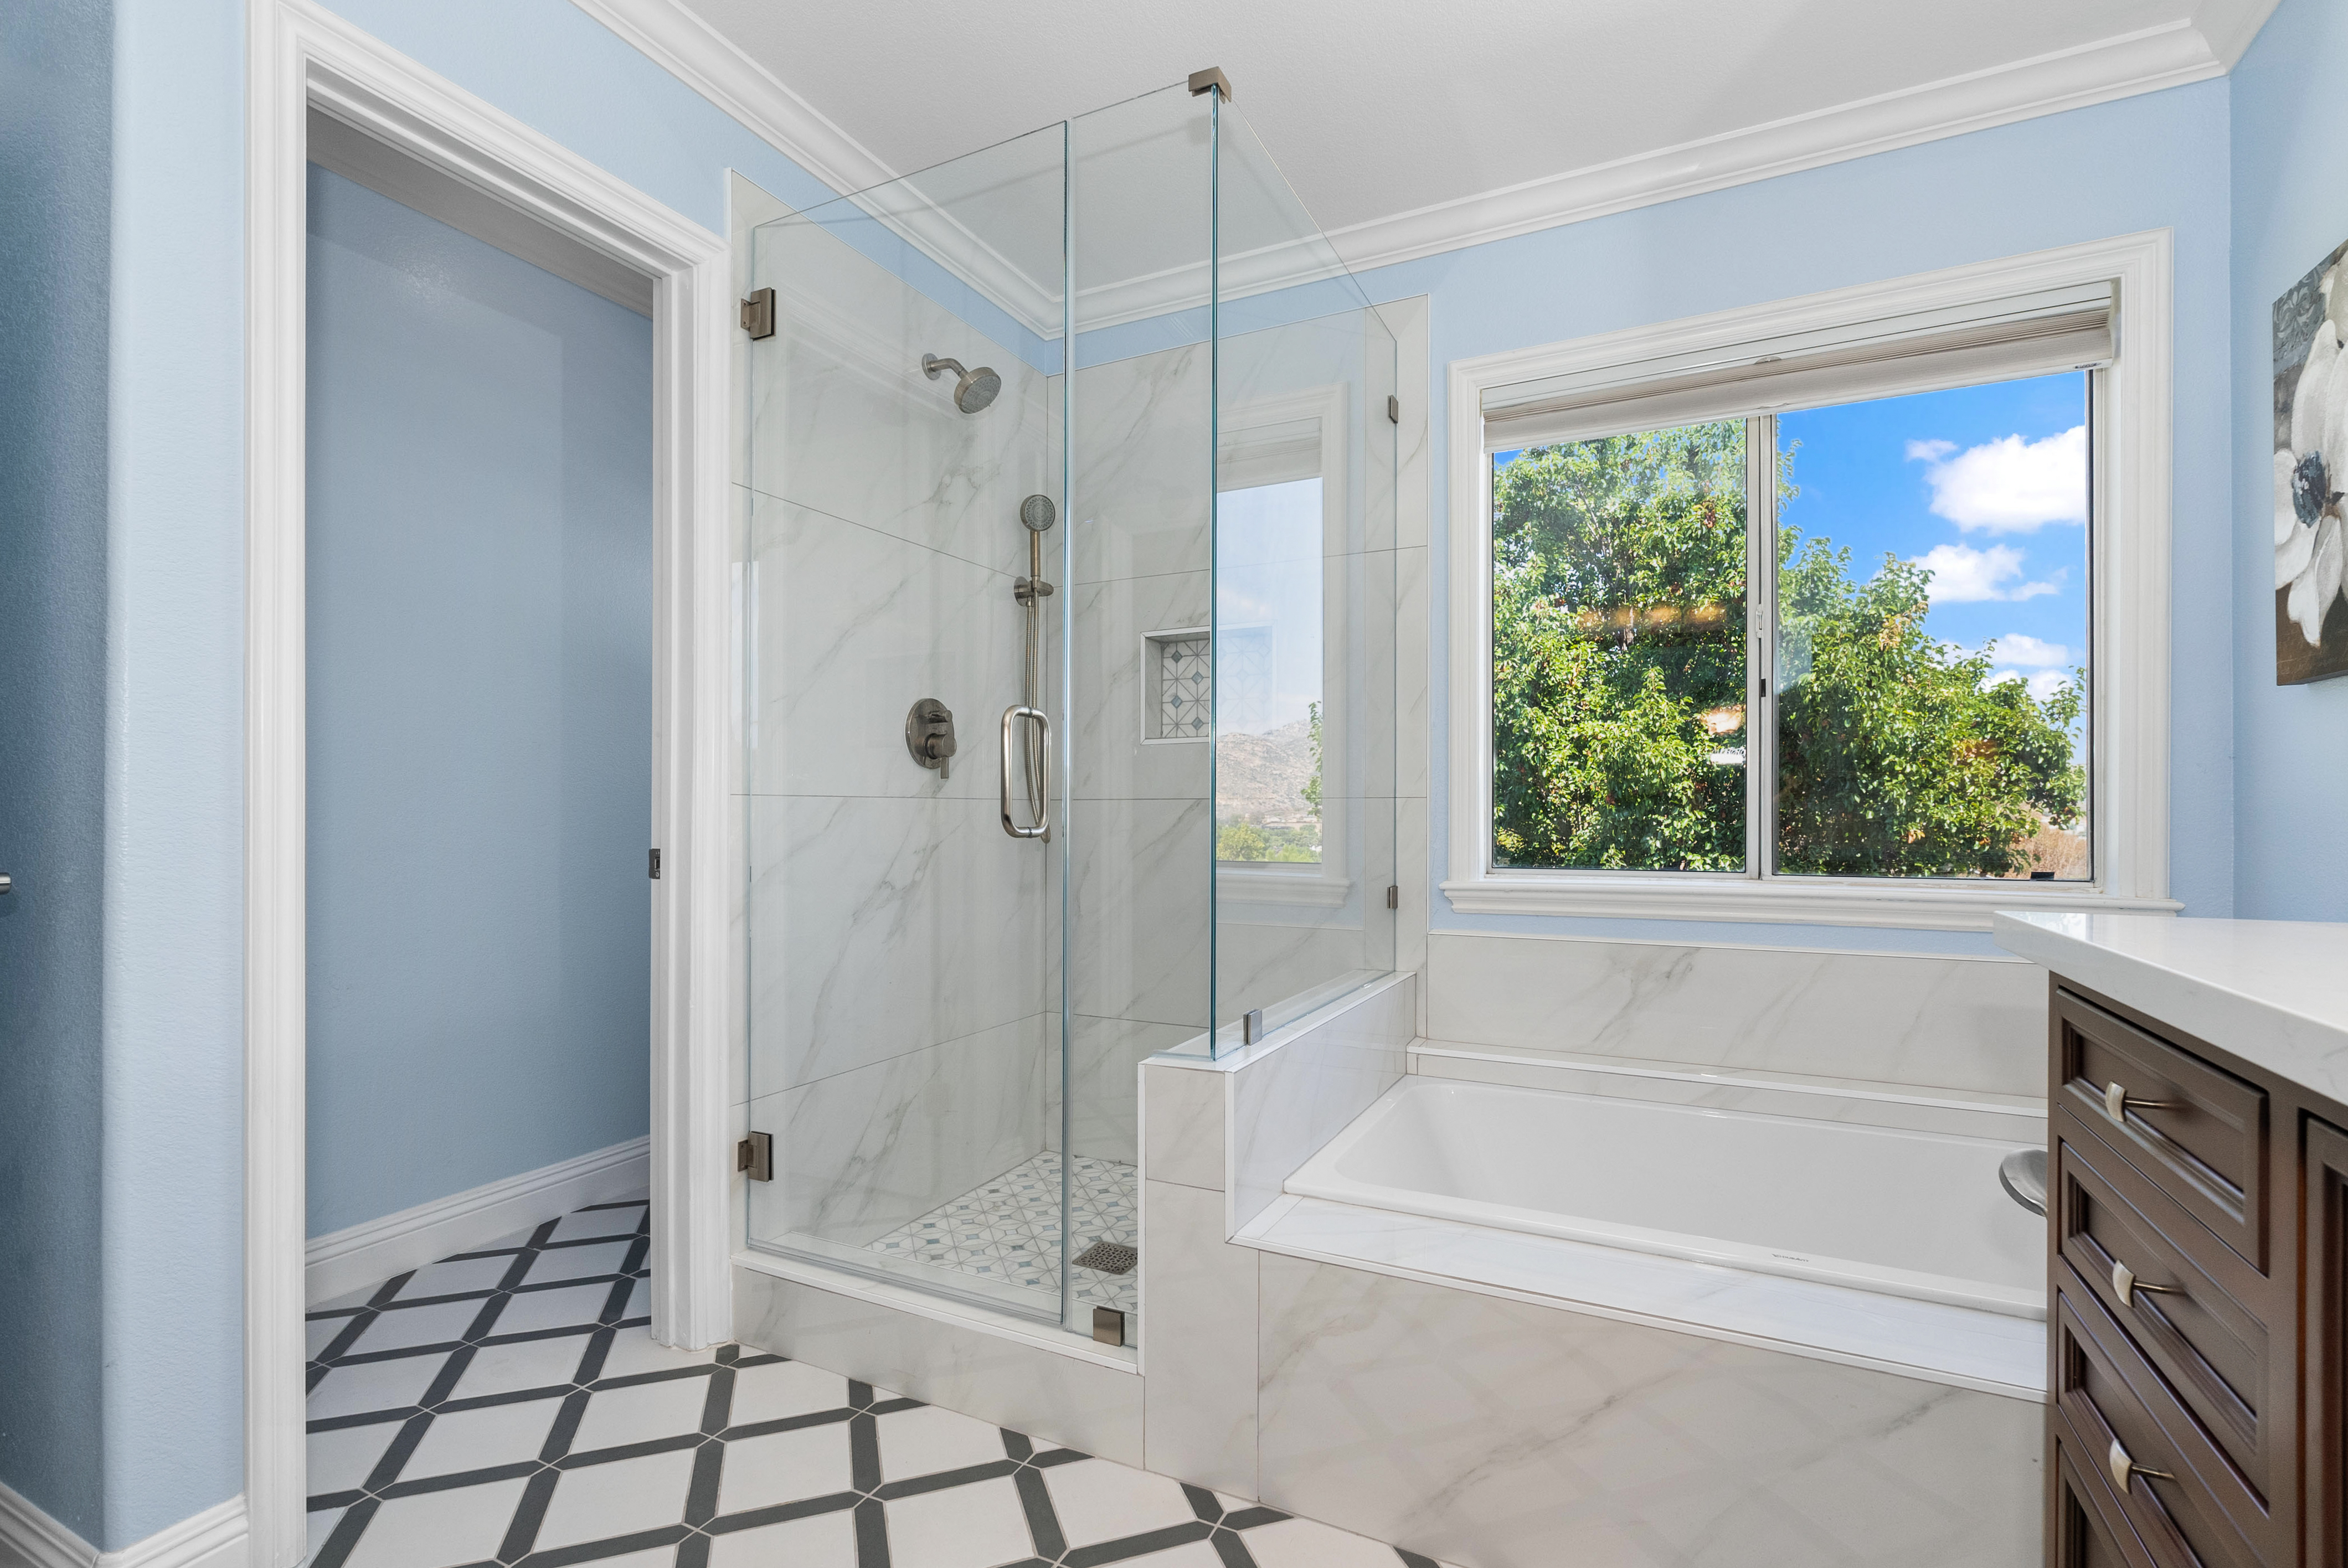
(2129, 574)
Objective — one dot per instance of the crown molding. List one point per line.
(712, 64)
(2230, 24)
(2169, 56)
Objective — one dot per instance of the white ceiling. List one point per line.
(1381, 107)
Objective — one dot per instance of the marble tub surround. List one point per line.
(1954, 1024)
(1490, 1432)
(1300, 1086)
(2013, 1117)
(2274, 992)
(1962, 1347)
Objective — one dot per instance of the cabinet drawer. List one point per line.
(2195, 1309)
(2088, 1529)
(2188, 1504)
(2198, 1132)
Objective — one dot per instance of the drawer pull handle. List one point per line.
(2122, 1468)
(2125, 1285)
(2117, 1104)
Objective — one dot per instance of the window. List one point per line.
(1837, 610)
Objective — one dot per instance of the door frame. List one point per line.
(300, 55)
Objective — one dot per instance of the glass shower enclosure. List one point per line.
(1066, 612)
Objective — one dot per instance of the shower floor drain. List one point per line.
(1107, 1257)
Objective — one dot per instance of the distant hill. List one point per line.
(1262, 778)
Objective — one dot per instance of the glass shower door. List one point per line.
(903, 855)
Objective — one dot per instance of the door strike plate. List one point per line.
(755, 1156)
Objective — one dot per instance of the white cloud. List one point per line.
(1963, 575)
(2008, 486)
(2021, 648)
(2041, 686)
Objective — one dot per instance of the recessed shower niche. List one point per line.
(953, 973)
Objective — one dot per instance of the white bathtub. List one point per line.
(1917, 1214)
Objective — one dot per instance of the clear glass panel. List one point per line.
(1619, 571)
(1933, 634)
(1304, 606)
(904, 1031)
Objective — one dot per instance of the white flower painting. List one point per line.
(2310, 474)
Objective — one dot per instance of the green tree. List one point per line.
(1618, 657)
(1619, 651)
(1895, 757)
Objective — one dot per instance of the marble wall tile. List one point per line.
(851, 626)
(843, 420)
(1200, 1342)
(1182, 1132)
(1261, 965)
(1114, 670)
(1994, 1118)
(1104, 1055)
(1302, 1091)
(1139, 913)
(1944, 1023)
(1486, 1432)
(861, 1152)
(1140, 498)
(1079, 1404)
(1413, 894)
(1407, 320)
(883, 925)
(1412, 714)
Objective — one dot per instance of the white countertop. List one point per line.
(2274, 992)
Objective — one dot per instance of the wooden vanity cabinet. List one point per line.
(2196, 1302)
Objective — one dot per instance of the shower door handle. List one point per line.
(1043, 721)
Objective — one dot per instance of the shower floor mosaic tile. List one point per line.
(1009, 1229)
(507, 1408)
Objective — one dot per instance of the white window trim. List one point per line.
(2130, 619)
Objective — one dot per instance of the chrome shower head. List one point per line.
(1038, 513)
(976, 388)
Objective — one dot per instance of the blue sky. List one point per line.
(1984, 484)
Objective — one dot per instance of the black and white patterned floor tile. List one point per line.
(508, 1408)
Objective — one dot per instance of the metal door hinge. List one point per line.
(1393, 896)
(1394, 409)
(755, 1155)
(655, 868)
(759, 313)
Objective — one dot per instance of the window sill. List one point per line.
(1936, 907)
(1307, 886)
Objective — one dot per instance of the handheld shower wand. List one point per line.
(1038, 514)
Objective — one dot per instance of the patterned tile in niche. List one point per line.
(785, 1463)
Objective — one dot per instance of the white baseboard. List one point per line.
(29, 1538)
(366, 1254)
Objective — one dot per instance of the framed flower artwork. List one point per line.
(2310, 474)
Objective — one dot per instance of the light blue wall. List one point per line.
(2147, 162)
(480, 604)
(174, 921)
(2291, 210)
(174, 786)
(55, 65)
